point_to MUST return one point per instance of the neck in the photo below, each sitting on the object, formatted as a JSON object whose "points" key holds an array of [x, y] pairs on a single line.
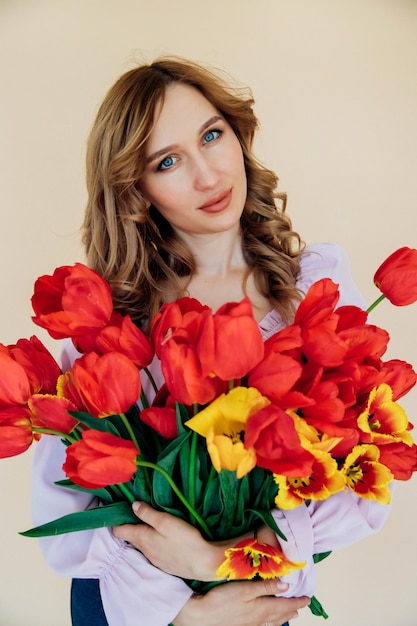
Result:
{"points": [[218, 254]]}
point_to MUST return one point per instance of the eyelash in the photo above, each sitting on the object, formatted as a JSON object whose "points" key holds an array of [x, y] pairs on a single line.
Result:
{"points": [[161, 168], [211, 132], [214, 131]]}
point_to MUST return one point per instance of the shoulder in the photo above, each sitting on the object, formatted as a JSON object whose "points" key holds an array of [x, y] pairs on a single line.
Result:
{"points": [[328, 260], [321, 260]]}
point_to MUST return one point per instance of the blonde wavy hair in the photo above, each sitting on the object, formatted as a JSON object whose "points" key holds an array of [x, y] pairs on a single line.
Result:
{"points": [[133, 246]]}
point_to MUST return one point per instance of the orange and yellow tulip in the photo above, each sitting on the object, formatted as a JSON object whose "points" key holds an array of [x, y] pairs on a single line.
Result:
{"points": [[324, 480], [248, 559], [366, 476]]}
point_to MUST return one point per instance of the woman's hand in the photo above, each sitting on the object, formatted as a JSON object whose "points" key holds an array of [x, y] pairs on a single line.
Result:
{"points": [[251, 603], [176, 547], [171, 544]]}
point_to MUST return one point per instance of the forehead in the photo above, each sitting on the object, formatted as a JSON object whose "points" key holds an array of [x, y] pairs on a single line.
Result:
{"points": [[184, 111]]}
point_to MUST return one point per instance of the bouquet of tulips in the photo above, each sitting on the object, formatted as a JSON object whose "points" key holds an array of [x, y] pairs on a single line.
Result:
{"points": [[238, 426]]}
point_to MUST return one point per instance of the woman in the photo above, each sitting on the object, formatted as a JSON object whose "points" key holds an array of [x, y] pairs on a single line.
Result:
{"points": [[178, 205]]}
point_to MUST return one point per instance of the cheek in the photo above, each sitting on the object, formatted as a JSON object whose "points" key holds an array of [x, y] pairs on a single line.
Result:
{"points": [[162, 194], [236, 157]]}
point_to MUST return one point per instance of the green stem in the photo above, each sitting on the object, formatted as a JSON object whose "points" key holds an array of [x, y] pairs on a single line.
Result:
{"points": [[129, 429], [192, 470], [125, 491], [144, 400], [375, 304], [181, 496], [57, 433], [151, 379]]}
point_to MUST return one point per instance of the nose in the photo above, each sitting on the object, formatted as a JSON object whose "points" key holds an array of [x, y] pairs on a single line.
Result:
{"points": [[205, 171]]}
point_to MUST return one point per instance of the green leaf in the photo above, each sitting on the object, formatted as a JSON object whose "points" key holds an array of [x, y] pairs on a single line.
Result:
{"points": [[107, 515], [268, 519], [229, 485], [320, 556], [102, 424], [103, 494], [263, 485], [142, 485], [212, 503], [182, 416], [242, 500], [161, 490], [316, 608]]}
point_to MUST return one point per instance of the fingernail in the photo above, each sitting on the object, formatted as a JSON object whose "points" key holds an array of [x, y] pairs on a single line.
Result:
{"points": [[136, 506], [282, 586]]}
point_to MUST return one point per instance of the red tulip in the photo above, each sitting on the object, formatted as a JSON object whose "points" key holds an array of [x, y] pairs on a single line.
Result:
{"points": [[162, 419], [120, 335], [100, 459], [318, 322], [102, 385], [319, 303], [400, 458], [275, 376], [40, 366], [162, 415], [15, 386], [271, 432], [396, 278], [183, 335], [15, 431], [238, 343], [172, 316], [73, 301], [400, 376]]}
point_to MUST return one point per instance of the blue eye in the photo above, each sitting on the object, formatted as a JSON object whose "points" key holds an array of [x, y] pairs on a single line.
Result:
{"points": [[167, 163], [211, 135]]}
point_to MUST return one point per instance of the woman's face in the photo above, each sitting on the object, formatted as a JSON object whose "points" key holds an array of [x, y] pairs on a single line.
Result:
{"points": [[195, 174]]}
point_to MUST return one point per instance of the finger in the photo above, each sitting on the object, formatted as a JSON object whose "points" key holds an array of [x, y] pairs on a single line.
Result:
{"points": [[121, 532], [258, 588], [139, 535], [148, 514], [273, 586], [285, 609]]}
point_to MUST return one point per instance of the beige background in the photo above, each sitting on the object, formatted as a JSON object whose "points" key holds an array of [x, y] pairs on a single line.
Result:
{"points": [[336, 89]]}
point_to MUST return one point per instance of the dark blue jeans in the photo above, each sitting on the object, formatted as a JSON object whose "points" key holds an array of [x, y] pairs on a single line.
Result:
{"points": [[86, 606]]}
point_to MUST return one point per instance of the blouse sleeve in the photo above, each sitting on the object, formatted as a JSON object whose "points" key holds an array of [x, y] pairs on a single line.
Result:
{"points": [[344, 518], [329, 260], [130, 586]]}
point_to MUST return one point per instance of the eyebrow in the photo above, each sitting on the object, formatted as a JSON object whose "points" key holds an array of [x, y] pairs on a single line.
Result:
{"points": [[159, 153]]}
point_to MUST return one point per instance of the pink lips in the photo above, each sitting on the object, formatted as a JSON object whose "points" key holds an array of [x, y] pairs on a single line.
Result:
{"points": [[217, 203]]}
